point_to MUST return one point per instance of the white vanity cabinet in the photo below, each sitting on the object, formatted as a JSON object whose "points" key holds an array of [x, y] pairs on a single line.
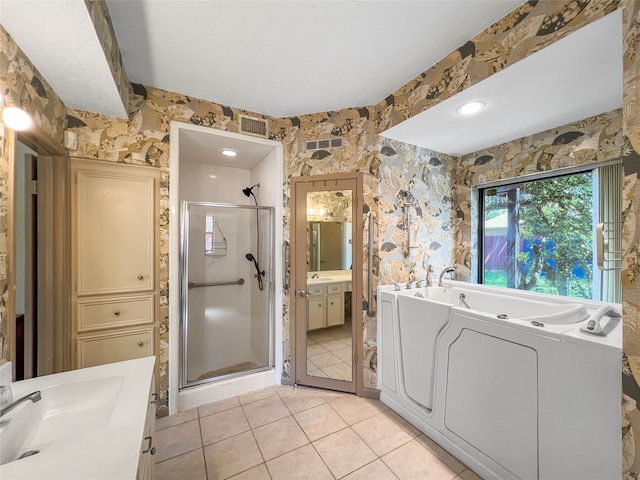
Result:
{"points": [[326, 304], [146, 465], [115, 255]]}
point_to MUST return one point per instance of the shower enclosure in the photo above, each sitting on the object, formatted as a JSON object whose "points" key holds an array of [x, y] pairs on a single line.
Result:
{"points": [[226, 291]]}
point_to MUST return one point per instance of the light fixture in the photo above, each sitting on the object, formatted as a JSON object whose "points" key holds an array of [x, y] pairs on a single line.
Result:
{"points": [[470, 108], [228, 152], [16, 119]]}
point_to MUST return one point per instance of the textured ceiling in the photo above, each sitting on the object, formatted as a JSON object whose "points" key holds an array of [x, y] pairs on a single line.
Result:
{"points": [[285, 58], [59, 38]]}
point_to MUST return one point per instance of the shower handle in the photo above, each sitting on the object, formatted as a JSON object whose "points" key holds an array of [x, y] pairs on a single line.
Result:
{"points": [[302, 293]]}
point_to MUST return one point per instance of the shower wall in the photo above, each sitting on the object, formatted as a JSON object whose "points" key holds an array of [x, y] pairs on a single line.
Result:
{"points": [[199, 182]]}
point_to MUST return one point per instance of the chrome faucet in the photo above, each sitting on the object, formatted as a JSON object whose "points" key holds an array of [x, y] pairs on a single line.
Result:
{"points": [[443, 273], [34, 397], [427, 277]]}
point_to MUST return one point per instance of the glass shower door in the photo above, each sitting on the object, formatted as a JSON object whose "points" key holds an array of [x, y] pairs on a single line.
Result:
{"points": [[226, 291]]}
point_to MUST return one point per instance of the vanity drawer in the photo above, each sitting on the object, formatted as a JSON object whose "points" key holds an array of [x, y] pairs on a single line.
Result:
{"points": [[110, 313], [115, 347], [317, 289], [335, 288]]}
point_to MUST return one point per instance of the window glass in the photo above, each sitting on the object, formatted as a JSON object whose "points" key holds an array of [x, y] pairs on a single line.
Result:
{"points": [[538, 235]]}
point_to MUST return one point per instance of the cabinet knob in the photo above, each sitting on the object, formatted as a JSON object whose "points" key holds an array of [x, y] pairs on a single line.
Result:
{"points": [[140, 277], [116, 313], [140, 344]]}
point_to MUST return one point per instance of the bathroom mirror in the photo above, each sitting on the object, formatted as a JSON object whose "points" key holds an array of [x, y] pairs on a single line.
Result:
{"points": [[329, 246]]}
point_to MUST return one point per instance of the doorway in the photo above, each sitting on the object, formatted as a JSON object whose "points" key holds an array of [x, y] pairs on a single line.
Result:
{"points": [[39, 189], [326, 242]]}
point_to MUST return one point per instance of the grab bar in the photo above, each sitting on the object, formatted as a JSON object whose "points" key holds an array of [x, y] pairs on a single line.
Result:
{"points": [[240, 281], [370, 311]]}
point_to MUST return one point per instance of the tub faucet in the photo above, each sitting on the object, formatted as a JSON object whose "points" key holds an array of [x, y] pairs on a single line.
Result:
{"points": [[427, 277], [443, 273], [34, 397]]}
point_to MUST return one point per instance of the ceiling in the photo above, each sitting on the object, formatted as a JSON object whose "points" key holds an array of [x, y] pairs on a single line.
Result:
{"points": [[285, 58], [574, 78]]}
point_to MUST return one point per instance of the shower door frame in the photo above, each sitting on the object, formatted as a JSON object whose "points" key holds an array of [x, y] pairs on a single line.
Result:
{"points": [[184, 290]]}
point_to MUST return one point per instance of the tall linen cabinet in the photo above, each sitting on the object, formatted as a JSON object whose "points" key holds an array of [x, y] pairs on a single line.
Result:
{"points": [[115, 262]]}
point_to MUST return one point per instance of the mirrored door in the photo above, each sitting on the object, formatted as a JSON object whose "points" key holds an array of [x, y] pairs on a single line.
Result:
{"points": [[327, 247]]}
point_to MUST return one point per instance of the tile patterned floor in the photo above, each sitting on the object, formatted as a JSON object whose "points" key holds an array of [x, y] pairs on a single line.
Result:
{"points": [[289, 433], [329, 352]]}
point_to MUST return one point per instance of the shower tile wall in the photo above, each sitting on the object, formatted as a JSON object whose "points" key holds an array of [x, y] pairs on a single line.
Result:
{"points": [[143, 139]]}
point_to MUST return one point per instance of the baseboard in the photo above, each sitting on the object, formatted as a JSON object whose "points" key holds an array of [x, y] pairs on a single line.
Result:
{"points": [[371, 393]]}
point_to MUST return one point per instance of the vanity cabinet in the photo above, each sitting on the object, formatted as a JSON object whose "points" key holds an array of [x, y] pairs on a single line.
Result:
{"points": [[146, 464], [115, 256], [326, 304]]}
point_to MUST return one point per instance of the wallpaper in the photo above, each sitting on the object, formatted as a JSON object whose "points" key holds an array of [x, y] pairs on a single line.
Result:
{"points": [[397, 174], [143, 139], [21, 84], [7, 300]]}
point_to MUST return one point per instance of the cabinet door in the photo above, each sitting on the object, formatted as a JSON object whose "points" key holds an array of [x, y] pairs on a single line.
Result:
{"points": [[115, 347], [317, 312], [335, 309], [114, 229]]}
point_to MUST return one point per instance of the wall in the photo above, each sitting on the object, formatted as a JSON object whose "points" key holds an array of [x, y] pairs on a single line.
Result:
{"points": [[588, 141], [143, 138], [20, 84]]}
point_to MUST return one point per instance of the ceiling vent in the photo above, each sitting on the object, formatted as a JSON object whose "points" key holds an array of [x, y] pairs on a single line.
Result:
{"points": [[321, 144], [253, 126]]}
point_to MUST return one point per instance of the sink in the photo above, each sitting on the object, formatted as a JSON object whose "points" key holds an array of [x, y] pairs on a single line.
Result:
{"points": [[89, 424], [65, 413]]}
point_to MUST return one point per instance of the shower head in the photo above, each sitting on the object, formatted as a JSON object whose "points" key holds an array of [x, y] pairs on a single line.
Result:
{"points": [[250, 257], [248, 191]]}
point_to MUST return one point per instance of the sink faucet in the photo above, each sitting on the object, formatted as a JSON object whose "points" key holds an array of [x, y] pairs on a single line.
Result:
{"points": [[443, 273], [315, 275], [34, 397]]}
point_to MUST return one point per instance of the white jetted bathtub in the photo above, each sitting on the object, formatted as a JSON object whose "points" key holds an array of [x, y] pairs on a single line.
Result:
{"points": [[506, 380]]}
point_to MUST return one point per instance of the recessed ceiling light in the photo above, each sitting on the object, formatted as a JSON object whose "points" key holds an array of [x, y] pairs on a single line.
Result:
{"points": [[228, 152], [470, 108], [16, 119]]}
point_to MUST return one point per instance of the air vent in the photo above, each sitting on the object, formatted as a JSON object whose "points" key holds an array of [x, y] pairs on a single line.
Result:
{"points": [[321, 144], [253, 126]]}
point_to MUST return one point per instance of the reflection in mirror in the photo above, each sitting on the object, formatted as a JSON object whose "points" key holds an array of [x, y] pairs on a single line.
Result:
{"points": [[329, 281]]}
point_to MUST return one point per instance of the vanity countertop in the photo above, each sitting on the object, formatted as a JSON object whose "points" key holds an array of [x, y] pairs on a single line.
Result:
{"points": [[102, 450], [325, 278]]}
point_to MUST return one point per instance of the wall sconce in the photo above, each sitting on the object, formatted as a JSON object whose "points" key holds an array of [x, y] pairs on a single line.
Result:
{"points": [[15, 118]]}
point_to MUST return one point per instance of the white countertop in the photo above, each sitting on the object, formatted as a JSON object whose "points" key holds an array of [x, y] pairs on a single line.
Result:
{"points": [[108, 453], [329, 277]]}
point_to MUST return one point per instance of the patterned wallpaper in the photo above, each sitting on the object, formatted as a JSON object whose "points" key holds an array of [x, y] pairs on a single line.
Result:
{"points": [[588, 141], [395, 173], [143, 139], [21, 84]]}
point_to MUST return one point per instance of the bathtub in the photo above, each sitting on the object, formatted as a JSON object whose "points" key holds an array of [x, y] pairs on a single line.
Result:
{"points": [[504, 379]]}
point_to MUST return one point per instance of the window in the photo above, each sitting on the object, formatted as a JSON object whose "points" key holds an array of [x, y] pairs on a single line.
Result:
{"points": [[209, 225], [538, 235]]}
